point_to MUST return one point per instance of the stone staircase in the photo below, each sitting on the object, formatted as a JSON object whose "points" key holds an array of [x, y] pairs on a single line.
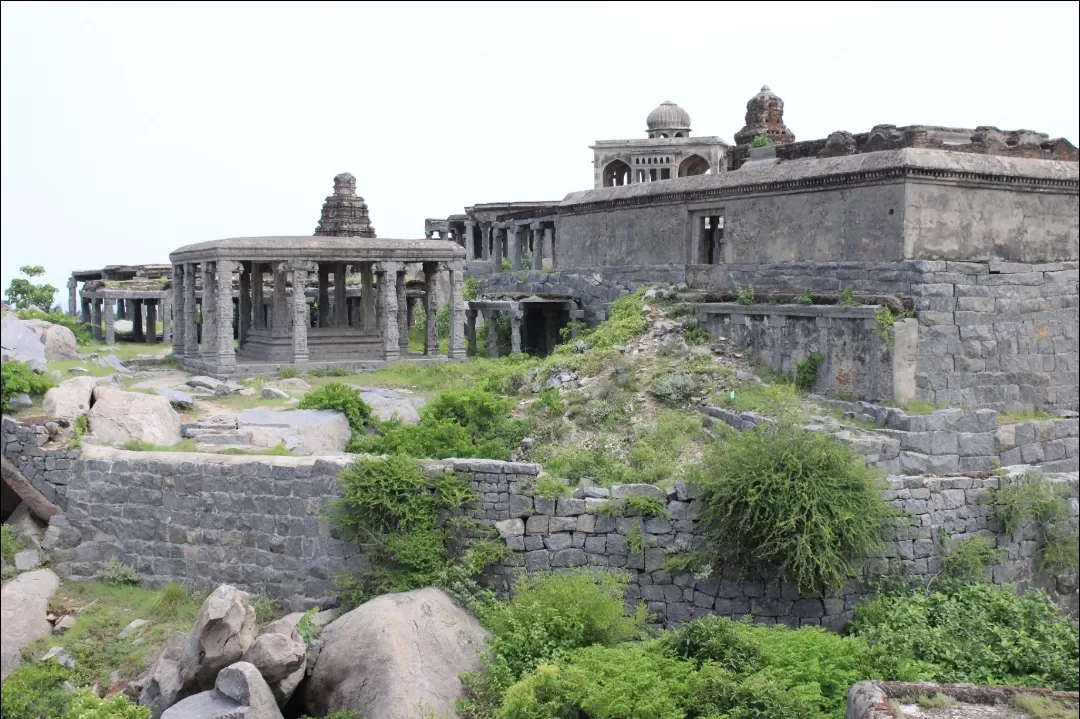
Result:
{"points": [[217, 434]]}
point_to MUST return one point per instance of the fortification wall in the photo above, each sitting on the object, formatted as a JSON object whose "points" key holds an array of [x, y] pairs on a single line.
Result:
{"points": [[258, 522]]}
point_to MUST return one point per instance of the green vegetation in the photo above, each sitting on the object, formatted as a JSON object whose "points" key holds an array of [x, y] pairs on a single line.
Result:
{"points": [[288, 373], [57, 317], [1036, 415], [308, 631], [967, 561], [117, 573], [138, 445], [390, 507], [18, 378], [10, 544], [551, 489], [344, 399], [805, 298], [1034, 499], [1044, 707], [806, 371], [673, 388], [847, 296], [794, 500], [22, 293], [744, 295], [761, 141]]}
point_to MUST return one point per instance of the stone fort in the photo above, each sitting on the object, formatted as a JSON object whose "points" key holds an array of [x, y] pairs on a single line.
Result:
{"points": [[970, 234]]}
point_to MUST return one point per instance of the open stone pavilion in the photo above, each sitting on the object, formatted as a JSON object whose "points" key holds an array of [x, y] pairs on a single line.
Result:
{"points": [[311, 302]]}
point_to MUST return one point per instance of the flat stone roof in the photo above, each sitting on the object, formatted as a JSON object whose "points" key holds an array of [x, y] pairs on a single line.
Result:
{"points": [[320, 249], [1052, 175]]}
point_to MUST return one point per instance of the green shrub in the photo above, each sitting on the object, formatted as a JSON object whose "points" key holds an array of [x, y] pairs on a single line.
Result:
{"points": [[342, 398], [968, 559], [974, 633], [306, 626], [552, 489], [847, 296], [81, 330], [761, 141], [672, 387], [36, 691], [806, 371], [624, 322], [551, 400], [759, 696], [1033, 498], [645, 505], [86, 705], [18, 378], [393, 510], [744, 295], [23, 294], [10, 544], [288, 373], [797, 501], [170, 599], [714, 639], [806, 298], [266, 609], [116, 572]]}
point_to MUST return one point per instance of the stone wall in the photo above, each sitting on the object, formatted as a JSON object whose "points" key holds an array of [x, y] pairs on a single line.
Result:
{"points": [[991, 334], [944, 441], [42, 455], [856, 359]]}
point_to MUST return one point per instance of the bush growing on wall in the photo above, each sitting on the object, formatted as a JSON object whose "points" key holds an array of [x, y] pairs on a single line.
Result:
{"points": [[344, 399], [797, 501], [18, 378]]}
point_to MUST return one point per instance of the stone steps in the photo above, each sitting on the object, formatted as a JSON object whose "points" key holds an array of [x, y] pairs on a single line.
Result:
{"points": [[224, 438]]}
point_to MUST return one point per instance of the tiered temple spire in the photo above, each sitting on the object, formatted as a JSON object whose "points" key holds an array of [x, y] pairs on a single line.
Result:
{"points": [[344, 214]]}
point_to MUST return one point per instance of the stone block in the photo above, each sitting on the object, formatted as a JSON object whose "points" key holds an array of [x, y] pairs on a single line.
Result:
{"points": [[538, 560], [520, 506], [562, 524], [622, 491], [943, 443], [568, 507], [558, 541], [977, 444], [510, 528], [586, 523], [569, 558]]}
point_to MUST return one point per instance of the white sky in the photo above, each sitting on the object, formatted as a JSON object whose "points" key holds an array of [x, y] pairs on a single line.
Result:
{"points": [[131, 129]]}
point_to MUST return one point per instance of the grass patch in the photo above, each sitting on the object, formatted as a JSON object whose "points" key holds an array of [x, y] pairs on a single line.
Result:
{"points": [[772, 399], [1044, 707], [1023, 416], [278, 450], [138, 445]]}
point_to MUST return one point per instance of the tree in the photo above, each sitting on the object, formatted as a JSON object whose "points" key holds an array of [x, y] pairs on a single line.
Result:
{"points": [[23, 294]]}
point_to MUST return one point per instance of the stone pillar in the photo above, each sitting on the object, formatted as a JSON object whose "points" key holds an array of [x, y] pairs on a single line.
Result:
{"points": [[497, 236], [470, 240], [177, 304], [410, 312], [138, 334], [456, 349], [341, 306], [84, 317], [151, 321], [225, 355], [95, 319], [258, 309], [110, 323], [73, 296], [515, 330], [281, 315], [324, 294], [470, 331], [549, 248], [209, 311], [485, 240], [492, 332], [431, 309], [537, 230], [367, 297], [300, 317], [516, 240], [354, 312], [243, 316], [551, 334], [123, 311], [402, 320], [191, 330], [166, 318], [388, 310]]}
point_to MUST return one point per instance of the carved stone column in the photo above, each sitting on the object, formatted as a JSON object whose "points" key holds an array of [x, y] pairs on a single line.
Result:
{"points": [[537, 230], [151, 321], [191, 330], [166, 305], [402, 320], [84, 316], [95, 319], [177, 304], [497, 236], [485, 240], [456, 349], [138, 334], [110, 323], [515, 330], [324, 294], [225, 354], [367, 297], [243, 317], [410, 312], [209, 312], [492, 332], [517, 244], [73, 296], [549, 248], [298, 272], [470, 240], [470, 332], [341, 304], [431, 309], [123, 310], [258, 308], [281, 315], [388, 311]]}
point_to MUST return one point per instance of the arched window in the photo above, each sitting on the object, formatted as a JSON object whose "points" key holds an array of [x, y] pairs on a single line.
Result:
{"points": [[616, 174], [693, 165]]}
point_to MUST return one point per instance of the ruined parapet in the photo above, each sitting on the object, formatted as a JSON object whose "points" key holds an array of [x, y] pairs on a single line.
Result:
{"points": [[345, 214], [765, 116]]}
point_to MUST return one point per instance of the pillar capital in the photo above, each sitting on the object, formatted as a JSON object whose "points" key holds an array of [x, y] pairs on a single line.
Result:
{"points": [[226, 266], [298, 266], [389, 266]]}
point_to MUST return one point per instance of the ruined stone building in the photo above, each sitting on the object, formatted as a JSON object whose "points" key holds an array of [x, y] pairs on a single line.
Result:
{"points": [[975, 231]]}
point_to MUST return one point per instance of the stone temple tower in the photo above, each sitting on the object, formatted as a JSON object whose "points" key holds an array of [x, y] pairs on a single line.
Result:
{"points": [[344, 214], [765, 116]]}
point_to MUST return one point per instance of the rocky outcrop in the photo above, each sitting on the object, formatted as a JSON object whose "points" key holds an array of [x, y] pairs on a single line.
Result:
{"points": [[119, 416], [280, 657], [25, 604], [387, 404], [239, 693], [393, 654], [19, 343], [59, 341], [70, 398], [304, 431]]}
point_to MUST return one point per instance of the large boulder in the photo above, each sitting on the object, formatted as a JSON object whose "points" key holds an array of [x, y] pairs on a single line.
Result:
{"points": [[239, 693], [304, 431], [280, 656], [70, 398], [388, 404], [19, 343], [59, 341], [24, 602], [389, 656], [119, 416]]}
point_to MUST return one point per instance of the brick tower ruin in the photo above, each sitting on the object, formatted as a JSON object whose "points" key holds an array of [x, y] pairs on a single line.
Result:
{"points": [[344, 214], [765, 116]]}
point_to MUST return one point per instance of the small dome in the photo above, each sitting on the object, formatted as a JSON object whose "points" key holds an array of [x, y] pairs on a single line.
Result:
{"points": [[668, 116]]}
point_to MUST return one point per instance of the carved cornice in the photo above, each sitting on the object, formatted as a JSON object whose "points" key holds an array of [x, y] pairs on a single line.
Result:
{"points": [[822, 182]]}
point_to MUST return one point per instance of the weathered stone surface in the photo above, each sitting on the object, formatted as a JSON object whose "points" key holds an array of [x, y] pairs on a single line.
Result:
{"points": [[133, 627], [59, 341], [290, 384], [20, 401], [274, 393], [60, 655], [40, 506], [24, 602], [388, 404], [304, 431], [510, 528], [177, 398], [275, 655], [160, 686], [112, 361], [203, 382], [387, 656], [28, 528], [242, 683], [19, 343], [622, 491], [119, 416], [63, 624], [25, 561], [206, 705], [70, 398]]}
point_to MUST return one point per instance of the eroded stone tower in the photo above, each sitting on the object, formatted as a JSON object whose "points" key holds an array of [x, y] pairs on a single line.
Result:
{"points": [[765, 116], [345, 214]]}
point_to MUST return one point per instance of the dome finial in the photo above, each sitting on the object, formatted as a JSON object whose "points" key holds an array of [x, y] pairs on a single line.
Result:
{"points": [[765, 88]]}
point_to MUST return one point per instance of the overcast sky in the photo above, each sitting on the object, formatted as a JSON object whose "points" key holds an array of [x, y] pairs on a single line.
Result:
{"points": [[132, 129]]}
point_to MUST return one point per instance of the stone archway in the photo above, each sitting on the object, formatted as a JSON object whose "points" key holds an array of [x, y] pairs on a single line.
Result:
{"points": [[616, 174], [694, 165]]}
